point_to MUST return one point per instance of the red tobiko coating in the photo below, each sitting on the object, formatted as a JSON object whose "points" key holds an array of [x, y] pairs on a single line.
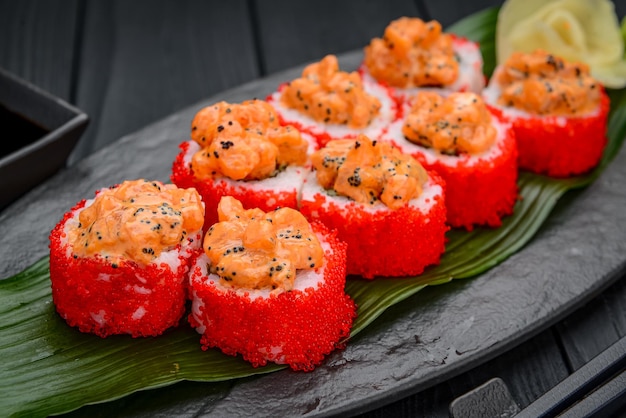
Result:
{"points": [[298, 328], [481, 193], [212, 191], [386, 242], [560, 146], [105, 298]]}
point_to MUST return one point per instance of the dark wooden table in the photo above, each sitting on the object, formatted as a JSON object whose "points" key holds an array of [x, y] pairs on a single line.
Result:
{"points": [[130, 63]]}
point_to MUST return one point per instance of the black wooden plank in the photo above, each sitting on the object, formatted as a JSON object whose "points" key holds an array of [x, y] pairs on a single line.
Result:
{"points": [[447, 12], [587, 388], [620, 9], [591, 330], [37, 42], [325, 27], [133, 73]]}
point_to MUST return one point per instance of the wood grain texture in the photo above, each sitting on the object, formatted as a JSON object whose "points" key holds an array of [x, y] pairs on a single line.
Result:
{"points": [[620, 8], [583, 338], [295, 32], [37, 42], [448, 12], [143, 60]]}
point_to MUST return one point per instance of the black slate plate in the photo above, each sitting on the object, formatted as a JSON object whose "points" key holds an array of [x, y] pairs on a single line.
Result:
{"points": [[438, 333]]}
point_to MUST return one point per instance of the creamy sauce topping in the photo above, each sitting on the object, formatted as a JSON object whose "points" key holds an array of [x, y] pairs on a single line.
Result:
{"points": [[251, 249], [244, 142], [545, 84], [329, 95], [137, 220], [369, 171], [457, 124], [412, 53]]}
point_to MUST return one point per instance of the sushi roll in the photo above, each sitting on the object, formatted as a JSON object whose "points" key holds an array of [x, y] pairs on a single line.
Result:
{"points": [[474, 152], [241, 150], [388, 209], [558, 112], [414, 55], [271, 287], [329, 103], [118, 262]]}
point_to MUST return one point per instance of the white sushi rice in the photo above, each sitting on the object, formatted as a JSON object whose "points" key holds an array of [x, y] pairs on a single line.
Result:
{"points": [[471, 77], [395, 135], [424, 203], [386, 114]]}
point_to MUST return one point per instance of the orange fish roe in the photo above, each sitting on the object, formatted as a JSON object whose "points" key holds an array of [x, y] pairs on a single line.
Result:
{"points": [[458, 123], [108, 291], [383, 242], [329, 95], [298, 327], [412, 53], [136, 221], [545, 84], [369, 171], [252, 249], [244, 142]]}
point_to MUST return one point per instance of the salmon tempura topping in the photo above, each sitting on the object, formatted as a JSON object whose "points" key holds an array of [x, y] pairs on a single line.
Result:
{"points": [[244, 142], [368, 171], [137, 220], [331, 96], [457, 124], [251, 249], [544, 84], [412, 53]]}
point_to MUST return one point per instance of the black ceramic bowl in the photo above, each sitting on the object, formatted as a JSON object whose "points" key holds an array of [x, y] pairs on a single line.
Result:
{"points": [[39, 132]]}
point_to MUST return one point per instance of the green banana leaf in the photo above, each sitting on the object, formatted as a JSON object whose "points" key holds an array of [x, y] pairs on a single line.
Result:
{"points": [[50, 368]]}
